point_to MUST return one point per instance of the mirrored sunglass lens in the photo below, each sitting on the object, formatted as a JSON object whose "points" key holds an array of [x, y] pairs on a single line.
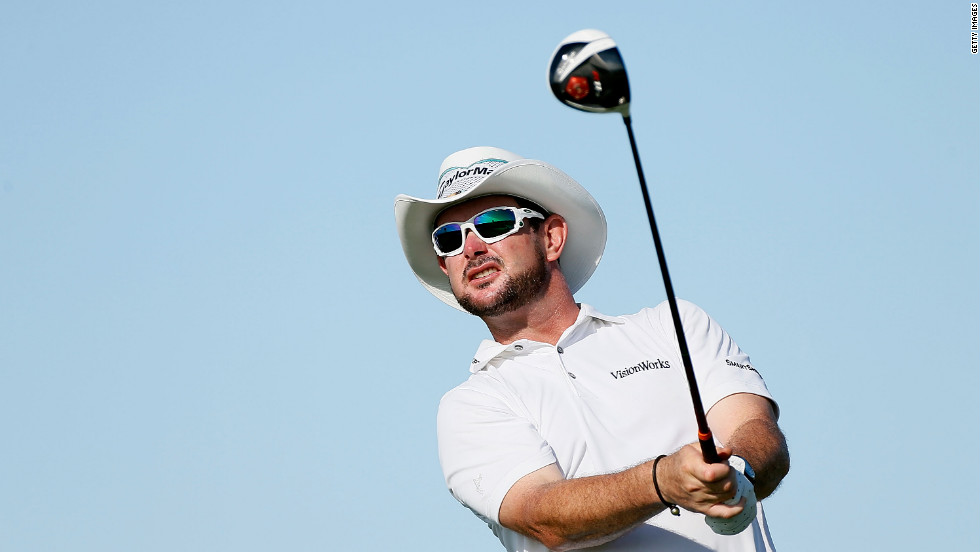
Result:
{"points": [[448, 237], [495, 223]]}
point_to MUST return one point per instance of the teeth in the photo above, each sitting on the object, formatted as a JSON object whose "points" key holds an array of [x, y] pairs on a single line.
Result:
{"points": [[483, 273]]}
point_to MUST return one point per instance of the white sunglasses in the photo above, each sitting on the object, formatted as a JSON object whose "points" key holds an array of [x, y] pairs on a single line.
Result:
{"points": [[491, 226]]}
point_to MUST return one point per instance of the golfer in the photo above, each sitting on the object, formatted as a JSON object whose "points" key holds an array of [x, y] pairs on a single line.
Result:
{"points": [[575, 429]]}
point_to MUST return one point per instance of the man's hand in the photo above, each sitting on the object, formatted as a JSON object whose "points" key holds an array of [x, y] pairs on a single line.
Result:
{"points": [[744, 494], [686, 480]]}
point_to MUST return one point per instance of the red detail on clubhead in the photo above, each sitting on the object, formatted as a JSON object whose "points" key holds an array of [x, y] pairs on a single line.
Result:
{"points": [[577, 87]]}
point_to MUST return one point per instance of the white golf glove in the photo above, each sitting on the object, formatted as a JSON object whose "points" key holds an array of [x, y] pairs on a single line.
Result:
{"points": [[737, 524]]}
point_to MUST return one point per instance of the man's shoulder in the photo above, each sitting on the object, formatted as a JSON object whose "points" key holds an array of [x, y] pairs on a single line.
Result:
{"points": [[660, 312], [480, 393], [643, 316], [653, 321], [477, 384]]}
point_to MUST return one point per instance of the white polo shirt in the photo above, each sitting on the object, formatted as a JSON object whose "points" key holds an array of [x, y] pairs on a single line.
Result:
{"points": [[612, 394]]}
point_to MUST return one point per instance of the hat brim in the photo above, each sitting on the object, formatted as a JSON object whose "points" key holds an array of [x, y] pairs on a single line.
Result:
{"points": [[530, 179]]}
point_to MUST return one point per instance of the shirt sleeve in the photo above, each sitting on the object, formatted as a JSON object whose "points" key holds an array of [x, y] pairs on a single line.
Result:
{"points": [[485, 446], [720, 366]]}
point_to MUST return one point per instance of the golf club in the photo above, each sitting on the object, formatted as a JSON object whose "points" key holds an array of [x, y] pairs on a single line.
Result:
{"points": [[586, 72]]}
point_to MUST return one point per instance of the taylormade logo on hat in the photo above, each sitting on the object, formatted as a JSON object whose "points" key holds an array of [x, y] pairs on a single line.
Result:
{"points": [[456, 180]]}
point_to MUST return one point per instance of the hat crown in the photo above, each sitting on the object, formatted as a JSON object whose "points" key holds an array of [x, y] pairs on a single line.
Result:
{"points": [[465, 169]]}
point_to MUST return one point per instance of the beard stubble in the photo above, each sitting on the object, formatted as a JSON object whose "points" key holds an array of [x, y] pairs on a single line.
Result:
{"points": [[520, 290]]}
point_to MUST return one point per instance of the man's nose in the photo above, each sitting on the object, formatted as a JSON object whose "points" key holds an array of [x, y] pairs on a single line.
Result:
{"points": [[473, 245]]}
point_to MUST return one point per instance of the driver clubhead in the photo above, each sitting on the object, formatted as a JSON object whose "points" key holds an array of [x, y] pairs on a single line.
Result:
{"points": [[586, 72]]}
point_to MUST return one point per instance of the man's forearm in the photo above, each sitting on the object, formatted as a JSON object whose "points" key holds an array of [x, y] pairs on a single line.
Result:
{"points": [[576, 513], [763, 445], [588, 511]]}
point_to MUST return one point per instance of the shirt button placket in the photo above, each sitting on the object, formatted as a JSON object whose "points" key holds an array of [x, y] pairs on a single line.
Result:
{"points": [[561, 351]]}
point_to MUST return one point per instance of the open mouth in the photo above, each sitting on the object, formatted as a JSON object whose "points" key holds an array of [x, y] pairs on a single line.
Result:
{"points": [[484, 273]]}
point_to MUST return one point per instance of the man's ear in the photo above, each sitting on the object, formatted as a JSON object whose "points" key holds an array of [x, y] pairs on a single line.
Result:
{"points": [[555, 235], [442, 264]]}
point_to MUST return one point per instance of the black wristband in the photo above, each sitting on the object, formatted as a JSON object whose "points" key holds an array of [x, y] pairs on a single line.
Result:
{"points": [[673, 507]]}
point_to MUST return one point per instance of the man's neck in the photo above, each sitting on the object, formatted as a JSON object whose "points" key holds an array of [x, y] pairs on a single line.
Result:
{"points": [[544, 320]]}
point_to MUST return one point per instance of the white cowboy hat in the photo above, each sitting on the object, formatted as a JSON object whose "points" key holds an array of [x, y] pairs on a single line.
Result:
{"points": [[483, 171]]}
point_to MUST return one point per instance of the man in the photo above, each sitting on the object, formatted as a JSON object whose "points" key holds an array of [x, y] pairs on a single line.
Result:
{"points": [[575, 428]]}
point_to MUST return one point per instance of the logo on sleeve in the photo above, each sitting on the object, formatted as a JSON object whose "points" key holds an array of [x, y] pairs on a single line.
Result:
{"points": [[641, 367], [743, 366]]}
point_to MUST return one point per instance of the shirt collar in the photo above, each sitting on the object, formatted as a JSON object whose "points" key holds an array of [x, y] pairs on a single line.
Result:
{"points": [[489, 349]]}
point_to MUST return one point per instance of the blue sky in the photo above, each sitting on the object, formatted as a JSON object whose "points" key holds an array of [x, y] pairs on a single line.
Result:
{"points": [[210, 340]]}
